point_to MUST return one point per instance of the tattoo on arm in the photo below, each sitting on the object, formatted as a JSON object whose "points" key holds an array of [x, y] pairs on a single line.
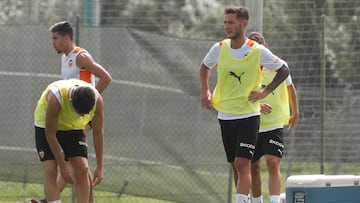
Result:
{"points": [[281, 75]]}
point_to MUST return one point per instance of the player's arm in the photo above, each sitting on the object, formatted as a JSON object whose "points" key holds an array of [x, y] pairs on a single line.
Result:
{"points": [[209, 63], [294, 118], [204, 86], [281, 74], [84, 60], [98, 139], [51, 125]]}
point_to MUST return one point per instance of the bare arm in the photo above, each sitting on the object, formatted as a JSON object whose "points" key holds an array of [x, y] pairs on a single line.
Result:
{"points": [[98, 139], [281, 74], [204, 86], [51, 125], [294, 118], [85, 61]]}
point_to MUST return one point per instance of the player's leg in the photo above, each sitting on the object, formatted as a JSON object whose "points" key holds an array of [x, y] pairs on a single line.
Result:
{"points": [[229, 143], [49, 165], [246, 131], [256, 181], [273, 166], [256, 185], [243, 167], [82, 182], [234, 173], [274, 151], [51, 190], [75, 150]]}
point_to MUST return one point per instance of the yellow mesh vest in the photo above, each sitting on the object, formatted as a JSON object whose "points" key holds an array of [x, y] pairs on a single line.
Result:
{"points": [[68, 119], [236, 78], [279, 100]]}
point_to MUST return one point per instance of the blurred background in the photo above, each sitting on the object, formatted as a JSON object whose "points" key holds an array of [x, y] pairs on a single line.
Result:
{"points": [[159, 142]]}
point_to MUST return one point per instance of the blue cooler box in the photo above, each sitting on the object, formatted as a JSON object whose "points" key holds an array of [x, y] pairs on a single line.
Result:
{"points": [[323, 189]]}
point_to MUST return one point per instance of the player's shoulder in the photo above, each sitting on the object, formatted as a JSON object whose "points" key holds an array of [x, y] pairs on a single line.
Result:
{"points": [[79, 50]]}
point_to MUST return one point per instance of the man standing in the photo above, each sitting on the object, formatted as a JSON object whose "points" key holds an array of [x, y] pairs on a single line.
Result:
{"points": [[274, 116], [238, 61], [62, 112], [76, 63]]}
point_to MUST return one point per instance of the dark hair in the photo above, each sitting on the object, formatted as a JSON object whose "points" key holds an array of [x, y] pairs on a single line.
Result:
{"points": [[63, 28], [240, 11], [83, 100], [258, 37]]}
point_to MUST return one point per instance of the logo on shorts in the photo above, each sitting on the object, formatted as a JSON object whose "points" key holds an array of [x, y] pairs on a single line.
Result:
{"points": [[41, 154], [271, 141], [250, 146], [280, 151], [83, 143]]}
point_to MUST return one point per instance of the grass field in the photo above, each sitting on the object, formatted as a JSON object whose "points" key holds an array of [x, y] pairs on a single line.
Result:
{"points": [[14, 192], [11, 192]]}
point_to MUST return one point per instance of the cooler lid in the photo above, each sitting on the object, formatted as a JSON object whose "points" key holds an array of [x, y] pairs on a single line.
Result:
{"points": [[322, 180]]}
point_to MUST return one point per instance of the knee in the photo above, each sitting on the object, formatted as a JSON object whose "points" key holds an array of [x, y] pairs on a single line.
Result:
{"points": [[82, 170], [242, 165], [50, 170]]}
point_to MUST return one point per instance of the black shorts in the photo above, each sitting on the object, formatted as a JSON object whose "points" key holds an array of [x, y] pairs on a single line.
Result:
{"points": [[239, 137], [271, 143], [72, 142]]}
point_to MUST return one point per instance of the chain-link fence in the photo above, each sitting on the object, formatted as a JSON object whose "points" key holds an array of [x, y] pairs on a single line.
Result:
{"points": [[159, 142]]}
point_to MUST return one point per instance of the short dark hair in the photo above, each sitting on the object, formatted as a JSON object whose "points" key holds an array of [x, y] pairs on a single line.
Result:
{"points": [[240, 11], [63, 28], [258, 37], [83, 99]]}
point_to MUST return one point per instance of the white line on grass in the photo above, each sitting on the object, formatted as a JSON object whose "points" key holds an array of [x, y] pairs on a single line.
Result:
{"points": [[122, 82]]}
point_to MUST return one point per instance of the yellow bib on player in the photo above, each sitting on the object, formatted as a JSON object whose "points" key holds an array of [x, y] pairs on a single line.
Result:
{"points": [[279, 100], [68, 118], [236, 78]]}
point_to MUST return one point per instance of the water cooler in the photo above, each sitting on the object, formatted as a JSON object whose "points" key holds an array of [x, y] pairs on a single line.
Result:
{"points": [[323, 189]]}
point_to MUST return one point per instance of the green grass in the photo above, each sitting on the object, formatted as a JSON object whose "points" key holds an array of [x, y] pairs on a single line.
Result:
{"points": [[16, 192], [12, 192]]}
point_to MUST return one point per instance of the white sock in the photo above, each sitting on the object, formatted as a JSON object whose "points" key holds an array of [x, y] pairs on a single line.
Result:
{"points": [[257, 199], [282, 197], [240, 198], [275, 199], [56, 201]]}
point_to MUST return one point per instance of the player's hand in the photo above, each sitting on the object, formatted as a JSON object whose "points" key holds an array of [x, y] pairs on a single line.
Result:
{"points": [[293, 121], [66, 173], [265, 108], [97, 177], [206, 99], [257, 95]]}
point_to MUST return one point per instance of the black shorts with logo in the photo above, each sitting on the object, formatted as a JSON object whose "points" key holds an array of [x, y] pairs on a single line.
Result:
{"points": [[72, 142], [271, 143], [239, 137]]}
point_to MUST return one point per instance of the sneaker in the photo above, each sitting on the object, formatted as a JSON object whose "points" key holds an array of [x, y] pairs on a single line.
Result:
{"points": [[34, 200]]}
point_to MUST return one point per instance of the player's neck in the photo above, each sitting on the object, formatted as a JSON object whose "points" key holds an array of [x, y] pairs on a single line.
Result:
{"points": [[237, 43], [69, 50]]}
